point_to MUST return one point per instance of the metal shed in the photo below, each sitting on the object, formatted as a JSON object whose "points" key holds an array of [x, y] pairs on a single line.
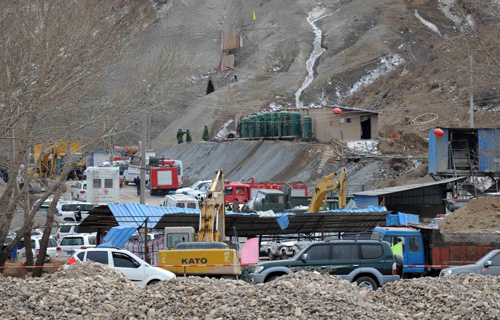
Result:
{"points": [[424, 199]]}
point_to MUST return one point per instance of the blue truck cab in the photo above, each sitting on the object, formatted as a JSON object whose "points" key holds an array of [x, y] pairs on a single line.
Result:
{"points": [[413, 245]]}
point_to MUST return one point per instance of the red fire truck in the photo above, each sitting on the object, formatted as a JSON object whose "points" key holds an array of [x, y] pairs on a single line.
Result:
{"points": [[242, 192], [164, 177]]}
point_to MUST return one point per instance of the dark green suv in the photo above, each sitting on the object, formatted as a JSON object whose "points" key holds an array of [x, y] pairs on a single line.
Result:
{"points": [[369, 263]]}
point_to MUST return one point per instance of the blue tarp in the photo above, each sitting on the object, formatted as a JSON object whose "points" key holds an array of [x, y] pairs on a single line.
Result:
{"points": [[283, 222], [117, 236], [401, 219]]}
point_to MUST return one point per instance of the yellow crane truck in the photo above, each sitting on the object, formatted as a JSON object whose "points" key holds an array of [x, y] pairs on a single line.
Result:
{"points": [[208, 256]]}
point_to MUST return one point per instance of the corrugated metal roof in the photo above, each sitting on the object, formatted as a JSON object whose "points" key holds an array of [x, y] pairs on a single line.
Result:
{"points": [[390, 190], [231, 39], [247, 224], [117, 236], [227, 62], [352, 109]]}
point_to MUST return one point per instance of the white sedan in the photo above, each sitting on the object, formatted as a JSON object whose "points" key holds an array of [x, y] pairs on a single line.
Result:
{"points": [[135, 269]]}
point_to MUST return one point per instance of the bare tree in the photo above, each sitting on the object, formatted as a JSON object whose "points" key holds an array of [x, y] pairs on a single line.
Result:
{"points": [[53, 56]]}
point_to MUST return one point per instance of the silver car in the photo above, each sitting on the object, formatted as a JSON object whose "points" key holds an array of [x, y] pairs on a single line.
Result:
{"points": [[487, 265]]}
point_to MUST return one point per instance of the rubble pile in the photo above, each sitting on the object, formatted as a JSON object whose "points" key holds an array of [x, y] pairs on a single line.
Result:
{"points": [[465, 296], [84, 291], [79, 294], [482, 214]]}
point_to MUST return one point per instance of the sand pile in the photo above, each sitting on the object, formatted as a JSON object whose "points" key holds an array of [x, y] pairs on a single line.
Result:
{"points": [[481, 214]]}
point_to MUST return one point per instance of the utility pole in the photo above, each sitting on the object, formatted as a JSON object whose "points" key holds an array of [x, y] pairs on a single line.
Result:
{"points": [[471, 95], [143, 173]]}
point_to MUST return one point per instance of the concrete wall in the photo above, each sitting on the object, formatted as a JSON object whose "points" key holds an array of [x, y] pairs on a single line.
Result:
{"points": [[327, 126]]}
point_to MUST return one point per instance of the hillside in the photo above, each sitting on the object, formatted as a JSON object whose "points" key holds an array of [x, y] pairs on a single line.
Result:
{"points": [[391, 55]]}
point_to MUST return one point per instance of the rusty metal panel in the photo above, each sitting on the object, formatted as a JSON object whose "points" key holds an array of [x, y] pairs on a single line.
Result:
{"points": [[231, 39], [227, 61]]}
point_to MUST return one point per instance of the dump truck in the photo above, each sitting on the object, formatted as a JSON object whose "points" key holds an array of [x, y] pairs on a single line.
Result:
{"points": [[208, 255], [242, 192], [426, 250]]}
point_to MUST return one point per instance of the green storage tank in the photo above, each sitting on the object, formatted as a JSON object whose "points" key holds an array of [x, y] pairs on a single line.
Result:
{"points": [[251, 126], [284, 126], [259, 126], [295, 124], [275, 124], [306, 127], [268, 124], [244, 128]]}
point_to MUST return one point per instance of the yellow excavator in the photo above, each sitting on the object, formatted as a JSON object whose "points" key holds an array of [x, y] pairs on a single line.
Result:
{"points": [[208, 255], [327, 184]]}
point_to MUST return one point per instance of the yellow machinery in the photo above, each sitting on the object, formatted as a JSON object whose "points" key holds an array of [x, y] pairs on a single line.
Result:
{"points": [[327, 184], [208, 256], [55, 156]]}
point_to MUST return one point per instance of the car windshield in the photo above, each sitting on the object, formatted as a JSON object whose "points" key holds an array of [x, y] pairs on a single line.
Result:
{"points": [[194, 185]]}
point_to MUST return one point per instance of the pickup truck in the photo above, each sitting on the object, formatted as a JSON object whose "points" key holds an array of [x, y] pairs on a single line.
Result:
{"points": [[426, 251], [369, 263]]}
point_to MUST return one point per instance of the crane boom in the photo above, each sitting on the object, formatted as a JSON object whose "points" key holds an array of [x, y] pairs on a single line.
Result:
{"points": [[213, 212], [327, 184]]}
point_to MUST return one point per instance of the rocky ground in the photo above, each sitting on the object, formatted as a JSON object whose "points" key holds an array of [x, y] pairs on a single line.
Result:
{"points": [[94, 291]]}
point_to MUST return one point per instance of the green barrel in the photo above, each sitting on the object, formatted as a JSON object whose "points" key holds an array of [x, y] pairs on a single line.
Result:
{"points": [[251, 126], [306, 127], [295, 124], [275, 124], [284, 126], [260, 126], [244, 128], [268, 124]]}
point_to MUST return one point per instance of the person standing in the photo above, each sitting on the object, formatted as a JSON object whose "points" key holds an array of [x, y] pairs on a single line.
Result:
{"points": [[78, 214], [188, 136], [180, 136], [205, 134], [137, 182]]}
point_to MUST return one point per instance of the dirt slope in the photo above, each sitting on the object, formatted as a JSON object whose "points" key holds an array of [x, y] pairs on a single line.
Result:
{"points": [[400, 57]]}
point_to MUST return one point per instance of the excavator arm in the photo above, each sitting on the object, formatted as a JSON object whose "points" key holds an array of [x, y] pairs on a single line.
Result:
{"points": [[213, 212], [327, 184]]}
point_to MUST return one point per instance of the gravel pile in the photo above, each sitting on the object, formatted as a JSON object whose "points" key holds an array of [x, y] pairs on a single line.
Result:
{"points": [[94, 291]]}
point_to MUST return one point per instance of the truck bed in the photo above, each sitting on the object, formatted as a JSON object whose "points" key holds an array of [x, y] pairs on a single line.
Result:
{"points": [[458, 248]]}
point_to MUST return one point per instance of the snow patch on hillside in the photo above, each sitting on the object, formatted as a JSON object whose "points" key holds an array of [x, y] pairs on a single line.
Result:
{"points": [[365, 146], [428, 24], [387, 64]]}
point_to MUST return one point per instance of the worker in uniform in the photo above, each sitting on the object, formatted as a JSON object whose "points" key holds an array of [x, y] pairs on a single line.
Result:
{"points": [[180, 136], [236, 206], [188, 136], [205, 134], [245, 207], [398, 247]]}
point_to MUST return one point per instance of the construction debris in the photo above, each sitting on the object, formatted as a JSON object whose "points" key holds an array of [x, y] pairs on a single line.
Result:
{"points": [[93, 291], [482, 214]]}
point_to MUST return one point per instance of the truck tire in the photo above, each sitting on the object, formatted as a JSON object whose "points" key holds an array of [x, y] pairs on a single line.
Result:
{"points": [[367, 282], [399, 264], [126, 182], [283, 255]]}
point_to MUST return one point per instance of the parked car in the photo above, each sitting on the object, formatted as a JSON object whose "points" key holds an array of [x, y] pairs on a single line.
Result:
{"points": [[370, 264], [198, 188], [487, 265], [64, 230], [79, 191], [135, 269], [69, 244], [66, 209], [53, 250]]}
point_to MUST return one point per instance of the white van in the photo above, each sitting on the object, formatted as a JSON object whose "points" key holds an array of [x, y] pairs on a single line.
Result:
{"points": [[180, 201]]}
